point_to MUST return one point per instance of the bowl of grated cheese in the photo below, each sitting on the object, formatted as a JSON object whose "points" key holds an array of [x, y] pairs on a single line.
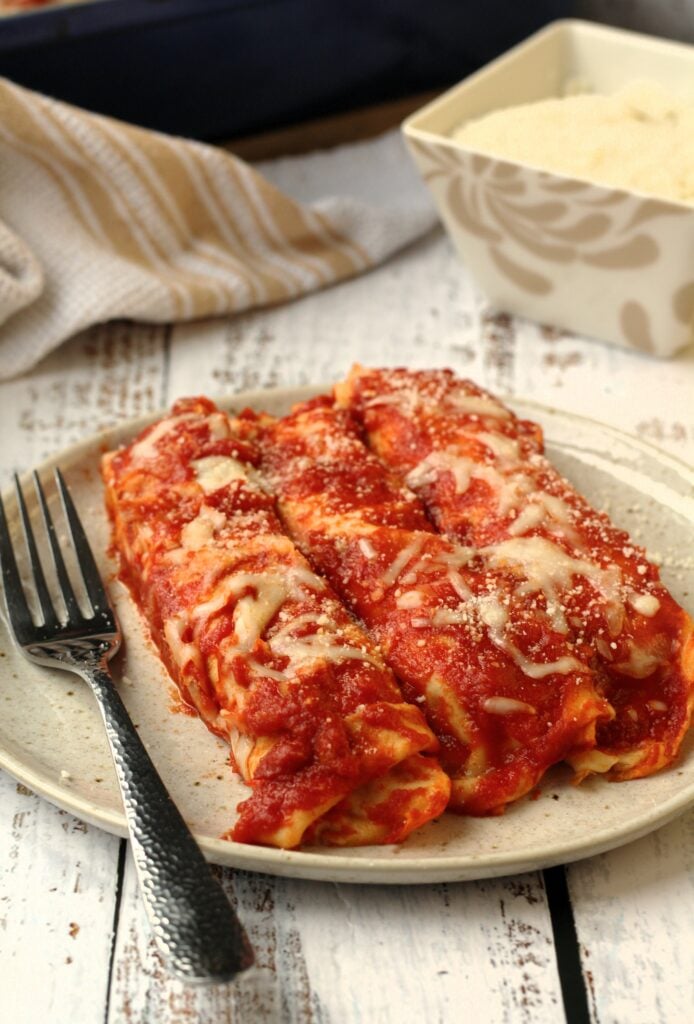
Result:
{"points": [[564, 174]]}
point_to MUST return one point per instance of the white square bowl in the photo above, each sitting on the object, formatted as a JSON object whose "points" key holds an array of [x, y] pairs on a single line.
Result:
{"points": [[614, 264]]}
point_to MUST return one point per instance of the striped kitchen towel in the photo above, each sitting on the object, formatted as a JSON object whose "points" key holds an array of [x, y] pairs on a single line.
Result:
{"points": [[101, 220]]}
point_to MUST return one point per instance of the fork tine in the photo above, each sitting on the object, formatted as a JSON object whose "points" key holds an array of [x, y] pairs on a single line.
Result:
{"points": [[96, 591], [17, 607], [47, 609], [74, 612]]}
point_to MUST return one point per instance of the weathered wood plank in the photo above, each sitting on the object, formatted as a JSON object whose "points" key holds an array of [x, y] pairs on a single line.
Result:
{"points": [[56, 911], [57, 875], [632, 909], [102, 376], [328, 954], [430, 950], [275, 989]]}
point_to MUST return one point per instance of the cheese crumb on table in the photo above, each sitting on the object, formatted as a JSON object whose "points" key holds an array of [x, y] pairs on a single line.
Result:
{"points": [[641, 137]]}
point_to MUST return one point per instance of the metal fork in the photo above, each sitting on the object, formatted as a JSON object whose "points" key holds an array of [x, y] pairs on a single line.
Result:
{"points": [[193, 923]]}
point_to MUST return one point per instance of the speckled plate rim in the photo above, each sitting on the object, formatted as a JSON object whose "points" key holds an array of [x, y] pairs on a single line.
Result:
{"points": [[346, 867]]}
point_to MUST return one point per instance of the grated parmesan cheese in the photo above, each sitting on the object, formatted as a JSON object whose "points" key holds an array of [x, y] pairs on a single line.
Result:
{"points": [[639, 137]]}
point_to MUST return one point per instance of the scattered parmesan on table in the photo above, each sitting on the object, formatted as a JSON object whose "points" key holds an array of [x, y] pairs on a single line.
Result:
{"points": [[641, 137]]}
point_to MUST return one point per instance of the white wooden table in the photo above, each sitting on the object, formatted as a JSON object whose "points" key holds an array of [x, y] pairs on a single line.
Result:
{"points": [[74, 943]]}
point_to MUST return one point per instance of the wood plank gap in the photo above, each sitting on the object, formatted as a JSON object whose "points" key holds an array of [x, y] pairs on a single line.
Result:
{"points": [[120, 876], [166, 365], [573, 986]]}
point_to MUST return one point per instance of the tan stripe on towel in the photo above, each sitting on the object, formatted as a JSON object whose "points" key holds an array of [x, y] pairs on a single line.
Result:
{"points": [[194, 296], [186, 213], [211, 221]]}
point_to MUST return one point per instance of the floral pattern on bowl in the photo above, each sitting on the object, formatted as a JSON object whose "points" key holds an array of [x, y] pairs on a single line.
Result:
{"points": [[595, 260]]}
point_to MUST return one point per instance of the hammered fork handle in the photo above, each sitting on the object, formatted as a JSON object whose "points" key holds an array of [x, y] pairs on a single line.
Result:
{"points": [[191, 918]]}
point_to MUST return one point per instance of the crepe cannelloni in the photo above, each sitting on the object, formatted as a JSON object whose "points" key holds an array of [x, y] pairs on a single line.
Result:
{"points": [[260, 646], [485, 482]]}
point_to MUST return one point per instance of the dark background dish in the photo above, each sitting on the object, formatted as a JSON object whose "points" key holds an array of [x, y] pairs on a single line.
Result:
{"points": [[218, 69]]}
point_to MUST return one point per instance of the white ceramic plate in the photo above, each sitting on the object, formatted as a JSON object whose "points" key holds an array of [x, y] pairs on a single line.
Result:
{"points": [[50, 723]]}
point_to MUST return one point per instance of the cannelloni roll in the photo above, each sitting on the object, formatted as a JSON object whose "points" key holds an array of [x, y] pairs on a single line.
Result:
{"points": [[484, 481], [260, 645]]}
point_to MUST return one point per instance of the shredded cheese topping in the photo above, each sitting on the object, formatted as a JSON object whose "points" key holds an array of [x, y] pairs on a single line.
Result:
{"points": [[538, 511], [509, 490], [400, 561], [549, 569]]}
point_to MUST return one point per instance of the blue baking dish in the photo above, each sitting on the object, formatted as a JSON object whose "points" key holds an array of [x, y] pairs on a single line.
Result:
{"points": [[215, 69]]}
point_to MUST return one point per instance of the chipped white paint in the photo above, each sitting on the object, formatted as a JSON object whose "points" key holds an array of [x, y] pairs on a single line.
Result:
{"points": [[428, 949], [334, 953], [57, 875], [338, 954], [634, 921], [57, 888]]}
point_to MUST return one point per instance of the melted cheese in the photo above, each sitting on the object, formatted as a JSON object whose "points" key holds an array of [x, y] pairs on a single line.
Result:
{"points": [[215, 471], [531, 516], [400, 561], [457, 556], [306, 650], [176, 556], [479, 405], [199, 532], [459, 585], [183, 653], [506, 449], [254, 610], [544, 510], [383, 400], [428, 470], [509, 490], [494, 616], [301, 575], [549, 569], [640, 663], [264, 670], [290, 623], [450, 559], [147, 447], [644, 604], [366, 547], [325, 644], [336, 524], [507, 706], [461, 616]]}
